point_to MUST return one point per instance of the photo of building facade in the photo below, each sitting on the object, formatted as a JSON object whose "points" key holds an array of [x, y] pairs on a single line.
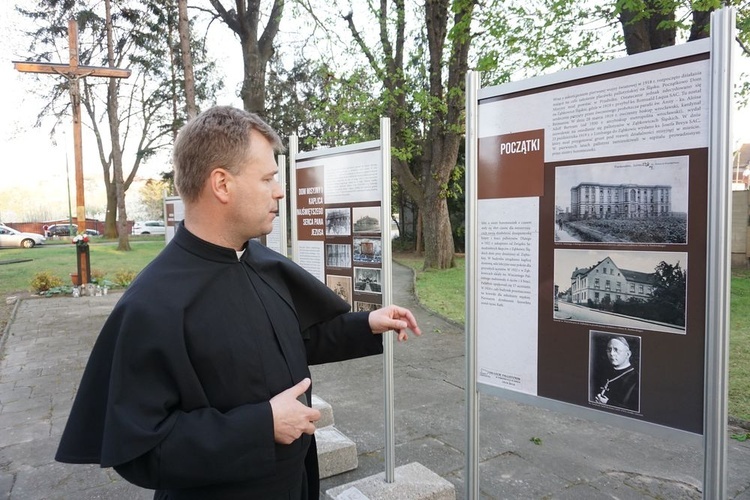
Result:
{"points": [[619, 201], [606, 280]]}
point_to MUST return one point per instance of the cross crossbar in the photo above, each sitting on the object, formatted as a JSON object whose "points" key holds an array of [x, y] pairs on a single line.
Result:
{"points": [[69, 71]]}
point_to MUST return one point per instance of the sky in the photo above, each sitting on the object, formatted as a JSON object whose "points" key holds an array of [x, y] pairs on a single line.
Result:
{"points": [[35, 171]]}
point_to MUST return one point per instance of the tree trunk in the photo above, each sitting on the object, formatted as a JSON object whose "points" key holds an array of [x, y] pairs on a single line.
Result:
{"points": [[123, 242], [110, 217], [701, 25], [420, 232], [187, 59], [244, 20], [641, 27], [253, 91], [438, 239]]}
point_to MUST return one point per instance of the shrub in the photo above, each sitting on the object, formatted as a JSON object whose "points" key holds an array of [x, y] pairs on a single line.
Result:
{"points": [[97, 276], [45, 280], [124, 277]]}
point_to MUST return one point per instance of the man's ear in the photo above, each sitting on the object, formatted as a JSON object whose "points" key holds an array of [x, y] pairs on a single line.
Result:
{"points": [[219, 180]]}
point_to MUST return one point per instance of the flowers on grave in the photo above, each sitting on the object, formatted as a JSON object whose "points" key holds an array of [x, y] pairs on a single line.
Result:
{"points": [[81, 240]]}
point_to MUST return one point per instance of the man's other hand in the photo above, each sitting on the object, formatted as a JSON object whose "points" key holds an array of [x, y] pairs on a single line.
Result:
{"points": [[394, 318], [290, 417]]}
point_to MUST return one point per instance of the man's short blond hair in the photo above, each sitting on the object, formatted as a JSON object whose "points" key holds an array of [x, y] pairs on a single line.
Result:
{"points": [[217, 138]]}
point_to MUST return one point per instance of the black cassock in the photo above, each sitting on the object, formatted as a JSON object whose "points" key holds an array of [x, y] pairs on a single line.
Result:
{"points": [[621, 387], [175, 395]]}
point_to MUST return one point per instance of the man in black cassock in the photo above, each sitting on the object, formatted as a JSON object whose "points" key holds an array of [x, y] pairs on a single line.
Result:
{"points": [[198, 386], [619, 384]]}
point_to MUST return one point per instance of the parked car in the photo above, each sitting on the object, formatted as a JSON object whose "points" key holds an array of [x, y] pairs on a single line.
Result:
{"points": [[92, 232], [9, 237], [61, 230], [149, 227]]}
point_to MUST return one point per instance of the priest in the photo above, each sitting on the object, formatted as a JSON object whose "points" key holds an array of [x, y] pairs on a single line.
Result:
{"points": [[198, 385]]}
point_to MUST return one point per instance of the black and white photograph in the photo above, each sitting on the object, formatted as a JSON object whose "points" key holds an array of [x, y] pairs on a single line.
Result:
{"points": [[341, 285], [366, 220], [640, 290], [338, 222], [367, 280], [614, 370], [338, 255], [627, 202], [367, 250], [360, 306]]}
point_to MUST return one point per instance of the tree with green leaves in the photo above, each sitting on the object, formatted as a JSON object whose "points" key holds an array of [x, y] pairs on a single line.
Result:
{"points": [[668, 296], [152, 198], [142, 113], [423, 87], [324, 109]]}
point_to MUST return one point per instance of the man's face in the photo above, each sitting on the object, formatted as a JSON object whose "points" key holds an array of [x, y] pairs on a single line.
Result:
{"points": [[618, 353], [257, 191]]}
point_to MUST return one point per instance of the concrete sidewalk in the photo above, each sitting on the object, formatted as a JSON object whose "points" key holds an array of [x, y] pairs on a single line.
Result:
{"points": [[48, 342]]}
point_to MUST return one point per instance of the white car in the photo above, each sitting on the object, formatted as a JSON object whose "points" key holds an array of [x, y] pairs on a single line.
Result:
{"points": [[149, 227], [9, 237]]}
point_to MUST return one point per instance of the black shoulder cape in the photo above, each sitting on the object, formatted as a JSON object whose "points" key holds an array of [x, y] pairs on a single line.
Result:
{"points": [[148, 318]]}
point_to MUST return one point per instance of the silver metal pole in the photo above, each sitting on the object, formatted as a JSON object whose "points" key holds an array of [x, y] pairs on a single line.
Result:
{"points": [[472, 396], [385, 217], [283, 213], [293, 195], [718, 256]]}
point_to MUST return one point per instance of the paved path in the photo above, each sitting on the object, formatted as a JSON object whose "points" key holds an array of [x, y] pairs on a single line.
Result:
{"points": [[49, 340], [41, 362]]}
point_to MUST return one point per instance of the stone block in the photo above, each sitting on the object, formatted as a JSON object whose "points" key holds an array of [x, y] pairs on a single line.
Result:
{"points": [[326, 412], [413, 481], [336, 452]]}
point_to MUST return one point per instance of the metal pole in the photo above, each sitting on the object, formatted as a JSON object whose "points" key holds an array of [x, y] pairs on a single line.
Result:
{"points": [[283, 213], [472, 396], [293, 195], [718, 256], [385, 217]]}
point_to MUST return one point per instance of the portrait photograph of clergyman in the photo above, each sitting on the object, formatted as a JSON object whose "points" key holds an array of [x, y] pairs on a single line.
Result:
{"points": [[614, 368], [628, 202], [338, 222], [338, 255]]}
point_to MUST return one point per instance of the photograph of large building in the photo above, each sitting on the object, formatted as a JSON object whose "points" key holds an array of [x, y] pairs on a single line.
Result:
{"points": [[607, 201], [625, 202]]}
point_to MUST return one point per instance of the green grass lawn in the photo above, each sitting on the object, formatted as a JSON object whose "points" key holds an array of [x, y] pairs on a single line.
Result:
{"points": [[739, 346], [59, 258], [444, 292], [440, 291]]}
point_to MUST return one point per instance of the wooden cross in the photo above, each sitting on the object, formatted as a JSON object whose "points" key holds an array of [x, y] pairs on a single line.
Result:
{"points": [[73, 72]]}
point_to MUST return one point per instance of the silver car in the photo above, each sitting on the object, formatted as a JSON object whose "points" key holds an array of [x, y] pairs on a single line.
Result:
{"points": [[149, 227], [9, 237]]}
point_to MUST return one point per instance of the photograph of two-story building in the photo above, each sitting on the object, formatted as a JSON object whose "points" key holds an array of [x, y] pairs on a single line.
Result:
{"points": [[630, 289]]}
